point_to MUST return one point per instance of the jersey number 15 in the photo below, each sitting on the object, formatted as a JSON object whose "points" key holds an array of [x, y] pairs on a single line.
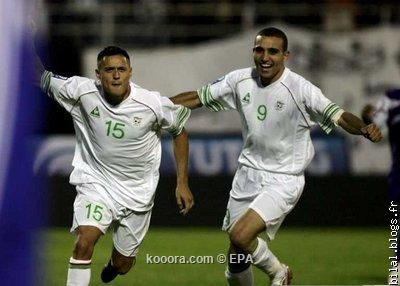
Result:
{"points": [[115, 129]]}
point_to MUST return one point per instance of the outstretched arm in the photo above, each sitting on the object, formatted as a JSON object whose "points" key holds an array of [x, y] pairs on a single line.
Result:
{"points": [[189, 99], [354, 125], [184, 197]]}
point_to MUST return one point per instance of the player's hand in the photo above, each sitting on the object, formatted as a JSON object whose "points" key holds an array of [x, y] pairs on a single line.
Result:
{"points": [[372, 132], [184, 198]]}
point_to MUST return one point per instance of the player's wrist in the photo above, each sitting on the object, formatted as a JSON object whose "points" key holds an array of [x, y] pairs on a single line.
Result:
{"points": [[182, 182]]}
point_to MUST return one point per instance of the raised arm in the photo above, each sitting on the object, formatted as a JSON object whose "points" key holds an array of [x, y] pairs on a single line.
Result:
{"points": [[184, 197], [37, 62], [189, 99], [38, 68], [354, 125]]}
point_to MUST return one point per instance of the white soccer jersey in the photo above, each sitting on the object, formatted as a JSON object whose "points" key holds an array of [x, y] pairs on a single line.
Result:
{"points": [[276, 119], [117, 146]]}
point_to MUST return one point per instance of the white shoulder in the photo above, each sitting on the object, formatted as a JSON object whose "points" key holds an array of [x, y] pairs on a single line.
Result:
{"points": [[292, 78], [85, 85], [243, 73], [66, 87], [239, 75], [76, 80], [297, 84], [151, 99]]}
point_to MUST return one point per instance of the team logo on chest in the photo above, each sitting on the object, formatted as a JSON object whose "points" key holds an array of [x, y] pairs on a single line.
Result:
{"points": [[279, 105], [246, 98], [95, 112], [136, 121]]}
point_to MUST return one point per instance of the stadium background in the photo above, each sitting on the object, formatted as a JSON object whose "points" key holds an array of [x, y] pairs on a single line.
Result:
{"points": [[348, 48], [345, 47]]}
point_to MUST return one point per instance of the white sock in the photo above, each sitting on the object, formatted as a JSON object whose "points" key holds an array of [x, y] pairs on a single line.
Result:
{"points": [[244, 278], [78, 272], [264, 259]]}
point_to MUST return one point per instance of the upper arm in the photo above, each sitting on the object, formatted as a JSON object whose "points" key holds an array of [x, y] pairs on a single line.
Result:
{"points": [[173, 117], [182, 137], [66, 91], [190, 99], [220, 94], [324, 111]]}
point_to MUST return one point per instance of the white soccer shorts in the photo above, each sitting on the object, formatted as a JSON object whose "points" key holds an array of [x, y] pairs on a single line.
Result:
{"points": [[271, 195], [93, 206]]}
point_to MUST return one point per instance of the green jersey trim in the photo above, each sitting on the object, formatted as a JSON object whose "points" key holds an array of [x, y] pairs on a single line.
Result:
{"points": [[328, 113], [183, 115], [45, 81], [207, 99]]}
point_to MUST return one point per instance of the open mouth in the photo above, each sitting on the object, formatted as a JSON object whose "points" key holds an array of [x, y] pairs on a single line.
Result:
{"points": [[266, 65]]}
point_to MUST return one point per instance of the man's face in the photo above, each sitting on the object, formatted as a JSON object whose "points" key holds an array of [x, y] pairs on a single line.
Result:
{"points": [[115, 72], [269, 58]]}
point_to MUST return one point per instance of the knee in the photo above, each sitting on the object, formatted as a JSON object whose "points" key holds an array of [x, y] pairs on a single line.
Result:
{"points": [[83, 248], [239, 239], [86, 238], [123, 264]]}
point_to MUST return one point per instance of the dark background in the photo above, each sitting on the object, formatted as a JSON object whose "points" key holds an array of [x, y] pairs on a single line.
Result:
{"points": [[326, 201]]}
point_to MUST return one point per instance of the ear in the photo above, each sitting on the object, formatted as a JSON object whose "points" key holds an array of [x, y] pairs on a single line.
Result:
{"points": [[97, 73], [286, 55]]}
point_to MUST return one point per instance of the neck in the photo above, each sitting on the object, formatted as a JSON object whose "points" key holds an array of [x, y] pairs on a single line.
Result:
{"points": [[116, 99], [268, 81], [265, 82]]}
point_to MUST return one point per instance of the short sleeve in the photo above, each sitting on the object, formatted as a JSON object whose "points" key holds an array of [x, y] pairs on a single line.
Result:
{"points": [[320, 108], [62, 89], [219, 95], [173, 117]]}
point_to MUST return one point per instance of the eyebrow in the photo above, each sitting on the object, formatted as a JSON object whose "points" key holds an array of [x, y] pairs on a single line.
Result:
{"points": [[116, 67], [271, 50]]}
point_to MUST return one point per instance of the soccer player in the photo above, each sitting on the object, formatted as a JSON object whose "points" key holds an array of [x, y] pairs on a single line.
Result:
{"points": [[386, 113], [117, 157], [277, 108]]}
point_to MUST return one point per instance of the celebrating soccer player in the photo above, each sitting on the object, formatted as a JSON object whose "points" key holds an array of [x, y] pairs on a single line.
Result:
{"points": [[117, 158], [277, 108]]}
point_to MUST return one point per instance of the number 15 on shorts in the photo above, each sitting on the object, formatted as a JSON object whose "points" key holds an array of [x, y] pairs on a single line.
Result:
{"points": [[94, 211]]}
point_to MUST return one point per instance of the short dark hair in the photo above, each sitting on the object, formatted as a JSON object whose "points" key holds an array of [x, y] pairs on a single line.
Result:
{"points": [[274, 32], [112, 51]]}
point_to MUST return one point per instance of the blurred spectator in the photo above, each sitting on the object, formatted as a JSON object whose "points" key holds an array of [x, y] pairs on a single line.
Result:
{"points": [[386, 112], [340, 15], [153, 14]]}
